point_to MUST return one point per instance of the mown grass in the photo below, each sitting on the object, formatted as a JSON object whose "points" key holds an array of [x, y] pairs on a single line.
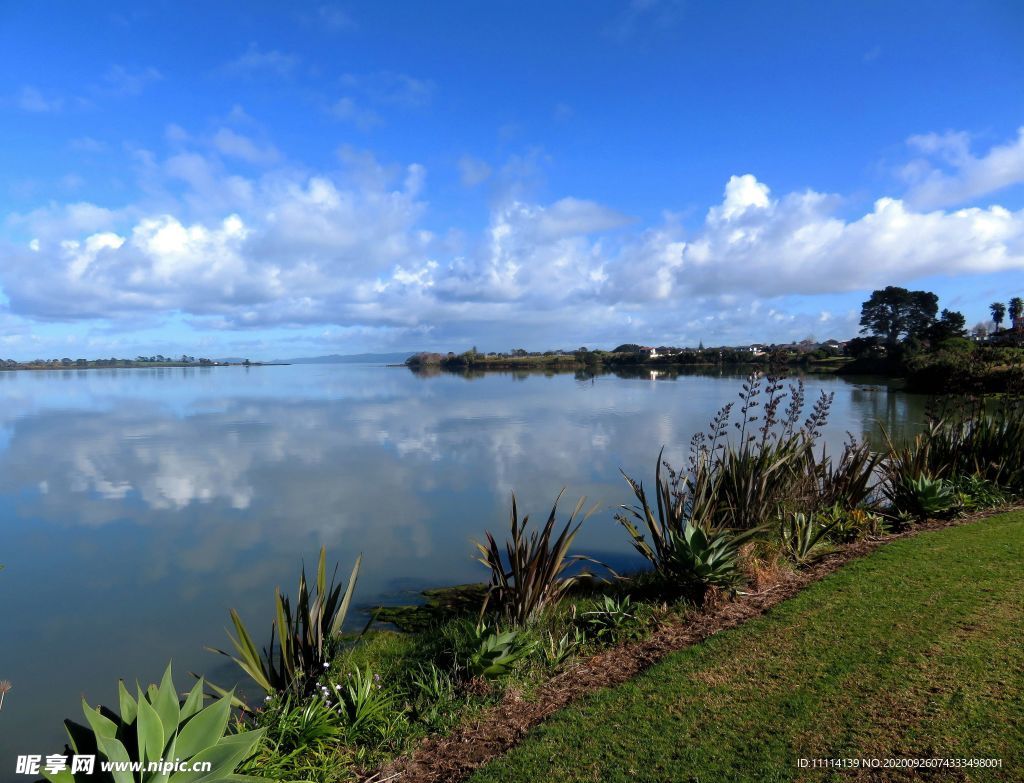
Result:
{"points": [[913, 651]]}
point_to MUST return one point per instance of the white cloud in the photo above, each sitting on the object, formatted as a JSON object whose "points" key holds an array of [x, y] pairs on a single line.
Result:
{"points": [[119, 81], [347, 110], [255, 60], [87, 144], [951, 174], [350, 248], [472, 171], [295, 249], [334, 18], [391, 88], [233, 144], [30, 99]]}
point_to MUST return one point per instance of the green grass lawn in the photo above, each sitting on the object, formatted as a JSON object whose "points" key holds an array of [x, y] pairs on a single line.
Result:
{"points": [[914, 651]]}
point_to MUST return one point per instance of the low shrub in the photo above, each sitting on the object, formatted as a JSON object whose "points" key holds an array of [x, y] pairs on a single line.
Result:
{"points": [[611, 619], [302, 641], [369, 711], [558, 651], [974, 492], [923, 497], [495, 653], [802, 537], [154, 726], [847, 525]]}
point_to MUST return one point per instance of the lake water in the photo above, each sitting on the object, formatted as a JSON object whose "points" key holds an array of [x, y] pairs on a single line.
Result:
{"points": [[139, 505]]}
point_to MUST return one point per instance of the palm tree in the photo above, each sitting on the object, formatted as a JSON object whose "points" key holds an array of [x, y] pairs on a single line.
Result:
{"points": [[998, 310], [1016, 311]]}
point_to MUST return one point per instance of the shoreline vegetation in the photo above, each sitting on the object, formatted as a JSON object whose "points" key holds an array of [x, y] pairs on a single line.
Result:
{"points": [[141, 362], [905, 337], [802, 656], [757, 507]]}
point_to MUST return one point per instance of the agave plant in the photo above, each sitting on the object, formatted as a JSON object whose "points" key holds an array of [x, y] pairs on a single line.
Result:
{"points": [[801, 535], [558, 651], [686, 547], [846, 525], [925, 497], [301, 640], [611, 617], [529, 576], [495, 653], [679, 500], [162, 735], [700, 559]]}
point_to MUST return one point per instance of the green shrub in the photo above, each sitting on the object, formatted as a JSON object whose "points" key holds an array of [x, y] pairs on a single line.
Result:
{"points": [[611, 619], [369, 711], [801, 536], [494, 653], [155, 726], [849, 482], [974, 492], [433, 694], [558, 651], [924, 497], [530, 575], [847, 525], [699, 560], [303, 640], [301, 741]]}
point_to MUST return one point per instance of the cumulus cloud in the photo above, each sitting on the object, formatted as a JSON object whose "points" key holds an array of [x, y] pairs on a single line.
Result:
{"points": [[297, 246], [350, 248], [949, 173]]}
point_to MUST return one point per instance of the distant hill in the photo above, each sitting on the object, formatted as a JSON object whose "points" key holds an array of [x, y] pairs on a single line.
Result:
{"points": [[354, 358]]}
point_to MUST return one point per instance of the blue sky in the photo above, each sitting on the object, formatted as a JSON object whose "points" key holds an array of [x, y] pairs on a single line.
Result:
{"points": [[277, 180]]}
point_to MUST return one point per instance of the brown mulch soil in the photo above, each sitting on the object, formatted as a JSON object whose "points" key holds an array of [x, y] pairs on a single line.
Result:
{"points": [[454, 757]]}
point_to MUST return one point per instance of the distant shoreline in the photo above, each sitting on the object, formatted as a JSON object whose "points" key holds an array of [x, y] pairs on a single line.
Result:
{"points": [[127, 365]]}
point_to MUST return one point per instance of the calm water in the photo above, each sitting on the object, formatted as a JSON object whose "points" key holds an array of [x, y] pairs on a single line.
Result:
{"points": [[139, 505]]}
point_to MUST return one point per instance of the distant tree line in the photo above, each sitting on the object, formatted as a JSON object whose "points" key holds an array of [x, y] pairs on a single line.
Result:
{"points": [[138, 361]]}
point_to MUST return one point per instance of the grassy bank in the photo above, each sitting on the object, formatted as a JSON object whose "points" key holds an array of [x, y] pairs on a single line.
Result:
{"points": [[913, 651]]}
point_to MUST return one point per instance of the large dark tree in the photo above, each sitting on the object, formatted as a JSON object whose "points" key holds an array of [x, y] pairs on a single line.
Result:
{"points": [[1017, 313], [896, 313], [998, 310], [950, 324]]}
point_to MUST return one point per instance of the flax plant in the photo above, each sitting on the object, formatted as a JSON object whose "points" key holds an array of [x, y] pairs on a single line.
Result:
{"points": [[301, 639], [530, 575]]}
